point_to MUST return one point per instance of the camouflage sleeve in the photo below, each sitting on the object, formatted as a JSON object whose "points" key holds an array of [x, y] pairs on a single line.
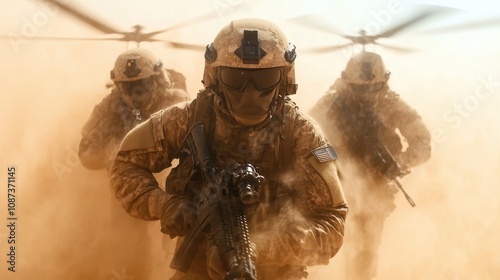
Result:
{"points": [[412, 128], [313, 232], [101, 136], [149, 148]]}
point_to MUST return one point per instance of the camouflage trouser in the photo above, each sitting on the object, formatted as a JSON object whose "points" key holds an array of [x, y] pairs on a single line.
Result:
{"points": [[370, 205], [199, 271]]}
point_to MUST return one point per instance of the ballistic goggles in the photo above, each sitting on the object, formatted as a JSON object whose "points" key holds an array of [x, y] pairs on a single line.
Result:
{"points": [[137, 87], [237, 79]]}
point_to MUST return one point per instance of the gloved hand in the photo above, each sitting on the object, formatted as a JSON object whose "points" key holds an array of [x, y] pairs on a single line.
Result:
{"points": [[178, 214]]}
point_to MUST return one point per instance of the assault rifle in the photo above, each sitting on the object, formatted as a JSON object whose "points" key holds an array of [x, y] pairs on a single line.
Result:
{"points": [[391, 168], [367, 131], [219, 214]]}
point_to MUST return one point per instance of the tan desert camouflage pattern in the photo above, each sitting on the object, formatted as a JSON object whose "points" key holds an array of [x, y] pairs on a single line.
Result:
{"points": [[392, 111], [308, 230], [371, 198], [111, 119]]}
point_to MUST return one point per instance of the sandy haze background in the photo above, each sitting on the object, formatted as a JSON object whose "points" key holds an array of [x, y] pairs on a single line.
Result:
{"points": [[48, 89]]}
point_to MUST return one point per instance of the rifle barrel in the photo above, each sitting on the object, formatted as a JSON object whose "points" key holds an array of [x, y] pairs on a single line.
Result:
{"points": [[412, 203]]}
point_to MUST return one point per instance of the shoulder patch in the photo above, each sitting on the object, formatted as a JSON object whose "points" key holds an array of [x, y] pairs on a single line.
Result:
{"points": [[330, 175], [325, 154]]}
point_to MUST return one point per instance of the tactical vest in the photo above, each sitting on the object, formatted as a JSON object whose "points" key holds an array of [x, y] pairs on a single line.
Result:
{"points": [[360, 126], [184, 180]]}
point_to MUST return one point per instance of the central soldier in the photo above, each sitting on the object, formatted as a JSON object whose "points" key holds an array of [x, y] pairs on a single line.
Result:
{"points": [[298, 218]]}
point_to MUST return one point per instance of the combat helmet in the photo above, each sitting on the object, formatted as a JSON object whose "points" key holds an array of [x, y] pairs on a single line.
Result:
{"points": [[365, 68], [251, 43], [135, 64]]}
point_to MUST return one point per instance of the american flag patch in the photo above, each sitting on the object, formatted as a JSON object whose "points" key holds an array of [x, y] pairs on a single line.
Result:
{"points": [[325, 154]]}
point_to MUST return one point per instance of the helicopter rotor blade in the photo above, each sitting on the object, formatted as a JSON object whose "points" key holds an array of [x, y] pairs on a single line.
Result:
{"points": [[470, 25], [60, 38], [106, 29], [414, 20], [325, 49], [42, 38], [395, 48], [185, 46], [139, 36]]}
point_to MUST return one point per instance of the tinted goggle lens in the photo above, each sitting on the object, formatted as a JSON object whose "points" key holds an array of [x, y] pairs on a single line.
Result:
{"points": [[238, 79], [137, 87]]}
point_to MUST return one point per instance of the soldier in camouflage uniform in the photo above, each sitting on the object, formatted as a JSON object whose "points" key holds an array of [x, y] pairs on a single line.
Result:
{"points": [[358, 111], [249, 73], [141, 87]]}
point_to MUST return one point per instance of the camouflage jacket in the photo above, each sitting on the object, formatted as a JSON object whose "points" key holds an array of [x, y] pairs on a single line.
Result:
{"points": [[347, 120], [309, 227], [111, 120]]}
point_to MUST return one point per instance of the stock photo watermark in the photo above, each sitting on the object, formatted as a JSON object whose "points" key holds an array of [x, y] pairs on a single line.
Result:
{"points": [[11, 221], [70, 162], [454, 117], [30, 25]]}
